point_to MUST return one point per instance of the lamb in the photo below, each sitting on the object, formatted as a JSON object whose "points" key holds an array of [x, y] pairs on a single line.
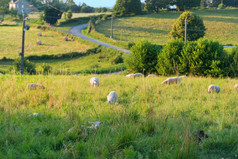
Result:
{"points": [[112, 97], [130, 76], [171, 80], [35, 86], [236, 86], [213, 88], [94, 81]]}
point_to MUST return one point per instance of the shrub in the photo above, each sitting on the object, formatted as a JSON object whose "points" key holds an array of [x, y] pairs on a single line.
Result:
{"points": [[69, 14], [233, 63], [29, 67], [45, 68], [195, 27], [221, 6], [143, 57], [168, 60]]}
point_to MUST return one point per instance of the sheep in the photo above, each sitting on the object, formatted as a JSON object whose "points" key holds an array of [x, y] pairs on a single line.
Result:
{"points": [[95, 125], [183, 76], [0, 74], [171, 80], [236, 86], [94, 81], [39, 42], [151, 75], [112, 97], [130, 76], [213, 88], [35, 86], [39, 34], [65, 38], [138, 75]]}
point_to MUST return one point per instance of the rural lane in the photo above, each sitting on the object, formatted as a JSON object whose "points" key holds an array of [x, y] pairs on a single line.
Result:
{"points": [[77, 31]]}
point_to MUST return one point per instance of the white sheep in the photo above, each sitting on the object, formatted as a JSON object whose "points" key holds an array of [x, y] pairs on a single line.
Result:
{"points": [[130, 76], [95, 125], [171, 80], [213, 88], [112, 97], [151, 75], [236, 86], [94, 81], [39, 42], [65, 38], [39, 34], [183, 76], [35, 86], [138, 75]]}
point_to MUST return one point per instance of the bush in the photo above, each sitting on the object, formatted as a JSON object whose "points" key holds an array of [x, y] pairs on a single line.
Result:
{"points": [[233, 63], [168, 60], [69, 14], [221, 6], [29, 67], [195, 27], [44, 68], [143, 57]]}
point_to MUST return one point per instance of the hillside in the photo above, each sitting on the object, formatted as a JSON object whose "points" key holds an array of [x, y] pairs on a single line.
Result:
{"points": [[147, 121]]}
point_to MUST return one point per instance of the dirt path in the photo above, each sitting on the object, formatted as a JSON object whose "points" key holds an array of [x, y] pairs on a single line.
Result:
{"points": [[76, 30]]}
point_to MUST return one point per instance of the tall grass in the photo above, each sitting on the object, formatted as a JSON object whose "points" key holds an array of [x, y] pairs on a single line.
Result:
{"points": [[148, 120]]}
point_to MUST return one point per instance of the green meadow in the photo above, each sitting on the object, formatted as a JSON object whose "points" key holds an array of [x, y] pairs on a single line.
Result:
{"points": [[222, 25], [147, 121]]}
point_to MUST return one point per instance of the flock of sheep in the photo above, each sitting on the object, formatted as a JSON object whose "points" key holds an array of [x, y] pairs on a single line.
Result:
{"points": [[40, 34]]}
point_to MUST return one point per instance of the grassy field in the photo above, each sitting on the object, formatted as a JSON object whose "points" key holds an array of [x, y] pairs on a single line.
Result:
{"points": [[147, 121], [52, 43], [222, 25]]}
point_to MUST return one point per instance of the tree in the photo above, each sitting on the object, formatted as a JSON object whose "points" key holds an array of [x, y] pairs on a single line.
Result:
{"points": [[155, 5], [3, 7], [195, 27], [127, 7], [186, 4], [51, 15], [143, 57], [69, 14]]}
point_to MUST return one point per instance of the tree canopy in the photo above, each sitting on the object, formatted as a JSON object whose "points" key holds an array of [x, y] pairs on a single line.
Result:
{"points": [[155, 5], [127, 7], [195, 27], [51, 15]]}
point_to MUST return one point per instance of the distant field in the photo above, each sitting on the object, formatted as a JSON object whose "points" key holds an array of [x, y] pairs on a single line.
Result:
{"points": [[11, 36], [147, 121], [222, 25]]}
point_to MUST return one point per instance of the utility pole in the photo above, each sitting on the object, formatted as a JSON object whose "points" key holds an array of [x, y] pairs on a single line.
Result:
{"points": [[112, 27], [23, 39], [121, 35], [185, 36]]}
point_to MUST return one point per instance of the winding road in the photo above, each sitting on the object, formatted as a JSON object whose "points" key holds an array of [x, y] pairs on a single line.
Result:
{"points": [[77, 31]]}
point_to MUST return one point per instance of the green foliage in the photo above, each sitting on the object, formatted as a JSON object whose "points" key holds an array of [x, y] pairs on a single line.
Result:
{"points": [[69, 14], [233, 63], [91, 26], [221, 6], [195, 27], [29, 67], [13, 13], [143, 57], [155, 5], [168, 60], [127, 7], [186, 4], [51, 15], [44, 68], [41, 16]]}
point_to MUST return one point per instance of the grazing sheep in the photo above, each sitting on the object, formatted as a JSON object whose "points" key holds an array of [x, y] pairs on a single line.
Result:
{"points": [[112, 97], [213, 88], [94, 81], [130, 76], [236, 86], [39, 34], [138, 75], [65, 38], [39, 42], [95, 125], [183, 76], [171, 80], [35, 86], [151, 75]]}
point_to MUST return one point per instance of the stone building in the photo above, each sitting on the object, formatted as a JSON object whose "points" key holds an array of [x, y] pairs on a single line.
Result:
{"points": [[22, 4]]}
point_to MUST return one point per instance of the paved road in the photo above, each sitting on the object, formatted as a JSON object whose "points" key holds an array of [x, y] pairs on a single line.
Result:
{"points": [[76, 30]]}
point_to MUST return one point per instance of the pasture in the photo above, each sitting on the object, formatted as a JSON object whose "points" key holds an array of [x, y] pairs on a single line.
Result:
{"points": [[148, 120], [222, 25]]}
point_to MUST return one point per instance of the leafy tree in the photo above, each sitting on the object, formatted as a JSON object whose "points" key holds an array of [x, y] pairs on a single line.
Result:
{"points": [[195, 27], [3, 7], [127, 7], [155, 5], [186, 4], [69, 14], [86, 9], [143, 57], [51, 15]]}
